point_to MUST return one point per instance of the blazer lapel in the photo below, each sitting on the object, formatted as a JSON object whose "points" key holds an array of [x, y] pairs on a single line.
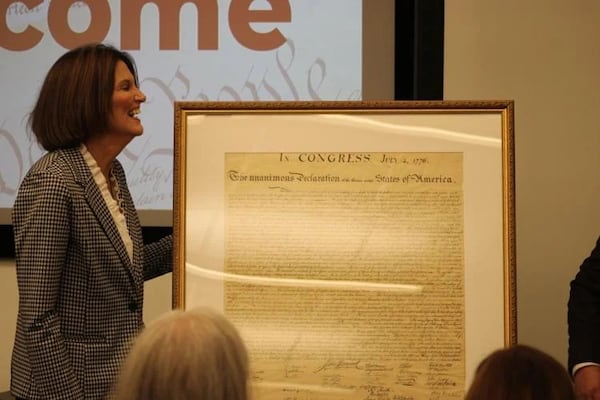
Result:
{"points": [[84, 177], [133, 223]]}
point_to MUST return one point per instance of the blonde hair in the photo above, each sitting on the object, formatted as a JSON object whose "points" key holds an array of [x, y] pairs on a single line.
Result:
{"points": [[196, 354]]}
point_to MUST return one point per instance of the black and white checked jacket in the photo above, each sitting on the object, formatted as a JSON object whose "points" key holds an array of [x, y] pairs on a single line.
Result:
{"points": [[80, 295]]}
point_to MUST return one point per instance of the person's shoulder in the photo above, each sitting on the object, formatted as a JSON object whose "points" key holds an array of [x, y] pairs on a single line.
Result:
{"points": [[55, 162], [52, 172], [44, 180]]}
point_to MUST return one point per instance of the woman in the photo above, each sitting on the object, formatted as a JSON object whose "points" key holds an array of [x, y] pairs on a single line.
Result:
{"points": [[81, 262], [520, 372], [186, 355]]}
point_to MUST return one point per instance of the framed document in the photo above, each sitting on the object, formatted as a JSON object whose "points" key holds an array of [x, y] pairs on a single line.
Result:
{"points": [[365, 250]]}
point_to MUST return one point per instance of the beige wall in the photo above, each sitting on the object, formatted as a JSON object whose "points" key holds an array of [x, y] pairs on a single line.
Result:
{"points": [[544, 55], [8, 318]]}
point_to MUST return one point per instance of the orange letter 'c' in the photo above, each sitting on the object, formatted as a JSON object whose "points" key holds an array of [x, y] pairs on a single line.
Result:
{"points": [[21, 41]]}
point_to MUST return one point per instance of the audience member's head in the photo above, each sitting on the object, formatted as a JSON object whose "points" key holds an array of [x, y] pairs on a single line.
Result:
{"points": [[196, 354], [520, 372]]}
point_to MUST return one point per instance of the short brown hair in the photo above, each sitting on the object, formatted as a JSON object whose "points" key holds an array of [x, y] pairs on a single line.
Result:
{"points": [[186, 355], [520, 372], [75, 100]]}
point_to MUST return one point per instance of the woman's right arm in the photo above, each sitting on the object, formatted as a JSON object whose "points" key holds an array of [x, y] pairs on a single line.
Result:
{"points": [[41, 224]]}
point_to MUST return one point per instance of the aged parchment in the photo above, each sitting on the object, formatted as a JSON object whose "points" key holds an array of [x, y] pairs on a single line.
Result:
{"points": [[321, 218]]}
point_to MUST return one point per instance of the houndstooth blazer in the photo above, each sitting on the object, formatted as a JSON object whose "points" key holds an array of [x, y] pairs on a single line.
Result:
{"points": [[80, 295]]}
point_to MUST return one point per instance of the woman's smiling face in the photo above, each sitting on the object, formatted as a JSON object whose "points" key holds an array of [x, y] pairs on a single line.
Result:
{"points": [[126, 101]]}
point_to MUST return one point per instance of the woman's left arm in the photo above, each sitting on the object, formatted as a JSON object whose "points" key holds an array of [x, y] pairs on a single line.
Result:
{"points": [[158, 258]]}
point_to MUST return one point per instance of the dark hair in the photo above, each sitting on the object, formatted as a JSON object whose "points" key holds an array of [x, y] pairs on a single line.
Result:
{"points": [[520, 372], [75, 100]]}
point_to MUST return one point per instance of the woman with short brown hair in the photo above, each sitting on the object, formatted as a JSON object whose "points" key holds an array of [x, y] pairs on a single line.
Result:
{"points": [[80, 257]]}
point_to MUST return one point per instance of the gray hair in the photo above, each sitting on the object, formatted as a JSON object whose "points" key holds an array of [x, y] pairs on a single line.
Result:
{"points": [[183, 355]]}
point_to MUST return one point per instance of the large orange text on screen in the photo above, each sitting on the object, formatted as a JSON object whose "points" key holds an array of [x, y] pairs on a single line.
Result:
{"points": [[240, 18]]}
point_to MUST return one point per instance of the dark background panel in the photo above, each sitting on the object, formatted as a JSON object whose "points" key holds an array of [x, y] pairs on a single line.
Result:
{"points": [[419, 46]]}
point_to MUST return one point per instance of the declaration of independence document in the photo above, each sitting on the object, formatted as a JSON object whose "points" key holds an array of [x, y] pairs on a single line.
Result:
{"points": [[310, 223]]}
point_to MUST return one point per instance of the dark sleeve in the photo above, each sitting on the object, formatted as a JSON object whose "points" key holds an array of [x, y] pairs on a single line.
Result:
{"points": [[158, 258], [584, 311]]}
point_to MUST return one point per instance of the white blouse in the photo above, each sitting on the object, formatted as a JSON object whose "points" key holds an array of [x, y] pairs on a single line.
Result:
{"points": [[114, 205]]}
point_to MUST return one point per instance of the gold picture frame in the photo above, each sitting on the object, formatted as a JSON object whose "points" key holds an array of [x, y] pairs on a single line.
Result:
{"points": [[360, 247]]}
